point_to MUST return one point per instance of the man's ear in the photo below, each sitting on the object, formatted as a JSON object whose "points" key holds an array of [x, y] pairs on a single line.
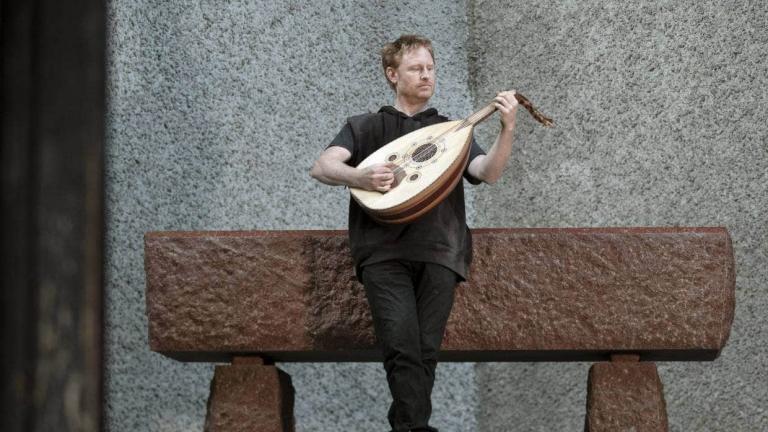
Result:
{"points": [[391, 74]]}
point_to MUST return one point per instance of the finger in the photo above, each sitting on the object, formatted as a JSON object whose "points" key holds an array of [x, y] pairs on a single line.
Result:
{"points": [[502, 100], [501, 107], [510, 99]]}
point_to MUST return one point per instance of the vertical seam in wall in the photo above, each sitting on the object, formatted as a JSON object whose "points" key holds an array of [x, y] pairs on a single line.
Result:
{"points": [[470, 205], [471, 83], [472, 87]]}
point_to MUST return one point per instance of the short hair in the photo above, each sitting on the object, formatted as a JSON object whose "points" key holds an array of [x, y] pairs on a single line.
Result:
{"points": [[392, 53]]}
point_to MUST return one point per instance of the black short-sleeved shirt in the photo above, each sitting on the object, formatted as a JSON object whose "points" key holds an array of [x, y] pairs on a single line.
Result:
{"points": [[440, 236]]}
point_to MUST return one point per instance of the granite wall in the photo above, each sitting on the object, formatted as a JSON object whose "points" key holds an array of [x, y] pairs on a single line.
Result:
{"points": [[217, 109], [660, 121]]}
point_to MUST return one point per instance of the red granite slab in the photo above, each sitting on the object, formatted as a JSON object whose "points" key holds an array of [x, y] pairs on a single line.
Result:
{"points": [[557, 294]]}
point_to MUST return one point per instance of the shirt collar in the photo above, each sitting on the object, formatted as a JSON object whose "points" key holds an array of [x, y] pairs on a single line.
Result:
{"points": [[418, 116]]}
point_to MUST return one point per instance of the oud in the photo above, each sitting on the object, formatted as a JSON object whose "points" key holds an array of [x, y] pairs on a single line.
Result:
{"points": [[427, 163]]}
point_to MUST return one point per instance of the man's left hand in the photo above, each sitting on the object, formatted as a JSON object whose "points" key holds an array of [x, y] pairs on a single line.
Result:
{"points": [[506, 103]]}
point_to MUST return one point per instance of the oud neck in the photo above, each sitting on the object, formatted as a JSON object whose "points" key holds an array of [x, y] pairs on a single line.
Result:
{"points": [[479, 115]]}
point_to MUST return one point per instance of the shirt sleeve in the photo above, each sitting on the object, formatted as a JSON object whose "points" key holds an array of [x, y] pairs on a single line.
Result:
{"points": [[474, 151], [346, 139]]}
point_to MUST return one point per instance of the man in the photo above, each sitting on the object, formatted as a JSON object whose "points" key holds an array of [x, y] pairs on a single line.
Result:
{"points": [[409, 271]]}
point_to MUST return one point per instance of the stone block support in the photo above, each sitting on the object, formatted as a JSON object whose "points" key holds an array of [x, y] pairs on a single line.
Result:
{"points": [[625, 395], [250, 395]]}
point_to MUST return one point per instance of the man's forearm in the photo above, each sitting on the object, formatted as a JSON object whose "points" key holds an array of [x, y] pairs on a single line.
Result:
{"points": [[498, 155], [336, 173]]}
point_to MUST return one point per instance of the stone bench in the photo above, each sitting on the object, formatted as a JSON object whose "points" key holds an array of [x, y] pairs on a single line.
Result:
{"points": [[622, 297]]}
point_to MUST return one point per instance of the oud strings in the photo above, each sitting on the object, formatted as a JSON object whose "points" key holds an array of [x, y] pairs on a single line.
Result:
{"points": [[471, 120]]}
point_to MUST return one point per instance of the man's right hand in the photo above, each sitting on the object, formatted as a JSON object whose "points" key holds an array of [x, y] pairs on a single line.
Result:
{"points": [[331, 168], [377, 177]]}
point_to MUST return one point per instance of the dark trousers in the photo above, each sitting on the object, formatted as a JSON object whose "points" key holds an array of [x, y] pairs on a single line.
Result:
{"points": [[410, 302]]}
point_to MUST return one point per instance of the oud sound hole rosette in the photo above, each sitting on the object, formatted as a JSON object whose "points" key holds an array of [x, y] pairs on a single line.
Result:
{"points": [[424, 152]]}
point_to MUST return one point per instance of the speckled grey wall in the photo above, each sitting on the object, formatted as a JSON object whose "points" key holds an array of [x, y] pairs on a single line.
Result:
{"points": [[660, 110], [216, 111]]}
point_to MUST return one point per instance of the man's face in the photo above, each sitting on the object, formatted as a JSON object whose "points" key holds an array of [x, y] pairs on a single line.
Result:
{"points": [[414, 78]]}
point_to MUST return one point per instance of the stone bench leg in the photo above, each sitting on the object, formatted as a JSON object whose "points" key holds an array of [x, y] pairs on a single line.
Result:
{"points": [[250, 395], [625, 395]]}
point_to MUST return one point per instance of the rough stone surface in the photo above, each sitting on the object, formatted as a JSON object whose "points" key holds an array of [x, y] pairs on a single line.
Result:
{"points": [[250, 397], [548, 294], [625, 396], [216, 111], [660, 121]]}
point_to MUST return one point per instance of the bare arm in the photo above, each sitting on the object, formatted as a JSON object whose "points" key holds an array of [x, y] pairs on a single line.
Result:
{"points": [[490, 167], [331, 169]]}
